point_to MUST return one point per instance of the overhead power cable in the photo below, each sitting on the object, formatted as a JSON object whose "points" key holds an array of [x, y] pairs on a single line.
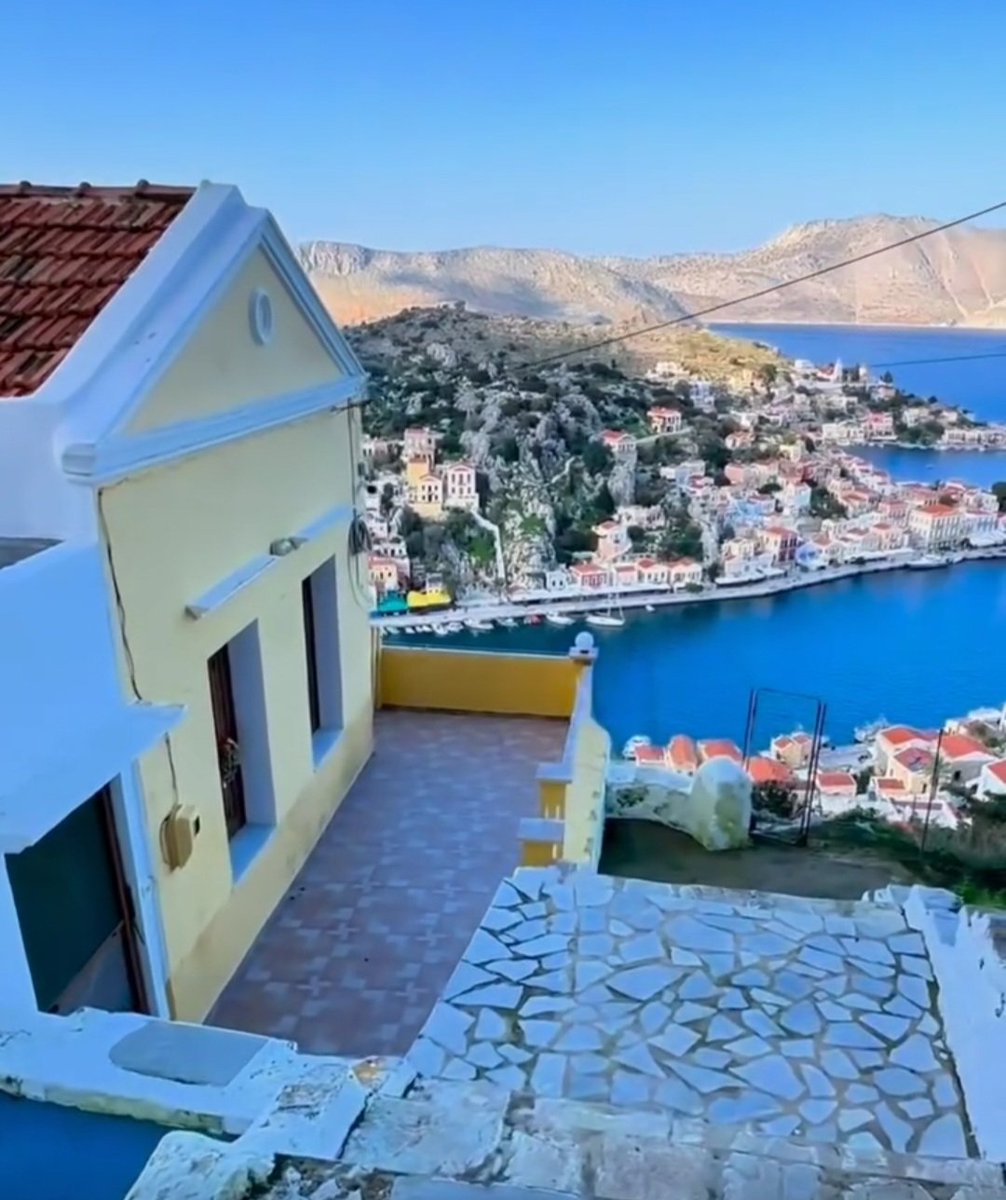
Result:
{"points": [[922, 362], [766, 291]]}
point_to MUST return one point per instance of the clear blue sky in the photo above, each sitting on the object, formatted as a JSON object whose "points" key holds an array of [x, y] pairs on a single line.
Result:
{"points": [[639, 127]]}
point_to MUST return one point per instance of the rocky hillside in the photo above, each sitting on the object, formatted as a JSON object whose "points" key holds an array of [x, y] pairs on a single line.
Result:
{"points": [[955, 277], [359, 284]]}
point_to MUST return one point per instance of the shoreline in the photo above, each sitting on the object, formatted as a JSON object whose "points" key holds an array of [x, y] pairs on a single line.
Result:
{"points": [[663, 599], [989, 329]]}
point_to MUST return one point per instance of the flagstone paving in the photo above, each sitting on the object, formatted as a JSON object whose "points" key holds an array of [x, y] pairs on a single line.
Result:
{"points": [[797, 1017]]}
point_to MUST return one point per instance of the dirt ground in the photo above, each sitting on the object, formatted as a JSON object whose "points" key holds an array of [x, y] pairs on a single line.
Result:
{"points": [[650, 851]]}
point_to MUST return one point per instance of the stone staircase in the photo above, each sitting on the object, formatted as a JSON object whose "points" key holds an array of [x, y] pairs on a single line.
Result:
{"points": [[809, 1018], [495, 1144], [622, 1040]]}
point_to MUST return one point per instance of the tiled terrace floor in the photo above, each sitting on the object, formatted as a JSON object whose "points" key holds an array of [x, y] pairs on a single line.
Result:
{"points": [[364, 941]]}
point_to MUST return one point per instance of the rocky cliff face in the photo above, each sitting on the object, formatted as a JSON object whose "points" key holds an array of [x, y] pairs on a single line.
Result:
{"points": [[955, 277]]}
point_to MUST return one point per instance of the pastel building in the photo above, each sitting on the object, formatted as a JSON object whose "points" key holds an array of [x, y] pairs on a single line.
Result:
{"points": [[937, 526], [179, 402]]}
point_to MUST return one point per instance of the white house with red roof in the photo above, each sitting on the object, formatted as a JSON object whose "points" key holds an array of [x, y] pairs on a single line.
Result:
{"points": [[913, 766], [683, 754], [962, 758], [878, 426], [654, 572], [992, 780], [894, 739], [588, 576], [937, 526], [664, 420], [719, 748], [835, 787], [622, 445], [794, 749], [762, 769], [781, 542], [685, 572]]}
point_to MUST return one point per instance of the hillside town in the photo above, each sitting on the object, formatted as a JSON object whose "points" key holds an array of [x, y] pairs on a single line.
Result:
{"points": [[578, 480], [895, 772]]}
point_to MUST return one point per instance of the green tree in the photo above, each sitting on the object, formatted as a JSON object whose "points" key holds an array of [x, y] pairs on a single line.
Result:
{"points": [[597, 458], [823, 504], [637, 535], [604, 502], [999, 491], [411, 522]]}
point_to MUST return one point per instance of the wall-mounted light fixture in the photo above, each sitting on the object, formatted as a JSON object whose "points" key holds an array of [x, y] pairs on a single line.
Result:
{"points": [[283, 546]]}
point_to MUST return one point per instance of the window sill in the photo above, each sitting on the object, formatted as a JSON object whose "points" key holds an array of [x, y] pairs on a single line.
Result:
{"points": [[246, 846], [322, 744]]}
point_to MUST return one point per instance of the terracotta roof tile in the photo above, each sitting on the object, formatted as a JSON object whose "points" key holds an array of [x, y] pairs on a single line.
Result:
{"points": [[64, 253]]}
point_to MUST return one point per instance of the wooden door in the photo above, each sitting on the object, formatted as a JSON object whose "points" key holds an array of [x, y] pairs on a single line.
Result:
{"points": [[225, 726], [76, 915]]}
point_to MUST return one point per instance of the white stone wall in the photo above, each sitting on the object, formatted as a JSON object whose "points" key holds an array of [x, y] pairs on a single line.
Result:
{"points": [[972, 1000]]}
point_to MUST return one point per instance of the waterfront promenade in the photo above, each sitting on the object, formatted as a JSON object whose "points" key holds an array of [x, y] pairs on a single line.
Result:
{"points": [[489, 610]]}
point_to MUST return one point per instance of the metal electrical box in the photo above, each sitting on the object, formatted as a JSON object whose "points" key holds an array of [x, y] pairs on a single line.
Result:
{"points": [[181, 828]]}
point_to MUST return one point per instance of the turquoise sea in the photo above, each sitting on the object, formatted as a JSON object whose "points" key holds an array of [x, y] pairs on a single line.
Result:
{"points": [[914, 646]]}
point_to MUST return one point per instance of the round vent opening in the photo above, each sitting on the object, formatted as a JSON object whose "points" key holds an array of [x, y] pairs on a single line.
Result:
{"points": [[260, 315]]}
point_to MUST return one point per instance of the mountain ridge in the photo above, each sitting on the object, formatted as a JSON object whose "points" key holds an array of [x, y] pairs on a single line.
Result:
{"points": [[953, 277]]}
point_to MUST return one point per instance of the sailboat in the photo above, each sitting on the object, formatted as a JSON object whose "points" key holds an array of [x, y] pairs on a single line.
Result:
{"points": [[607, 619]]}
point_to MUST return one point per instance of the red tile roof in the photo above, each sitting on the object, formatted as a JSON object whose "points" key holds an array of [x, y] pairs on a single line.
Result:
{"points": [[719, 748], [959, 745], [835, 781], [682, 752], [998, 769], [901, 735], [64, 253], [768, 770]]}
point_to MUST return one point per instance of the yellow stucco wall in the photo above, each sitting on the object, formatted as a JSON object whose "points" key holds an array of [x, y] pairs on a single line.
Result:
{"points": [[534, 685], [585, 794], [175, 532], [222, 367]]}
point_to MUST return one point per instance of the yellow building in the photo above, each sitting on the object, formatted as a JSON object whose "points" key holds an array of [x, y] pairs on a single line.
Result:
{"points": [[212, 419]]}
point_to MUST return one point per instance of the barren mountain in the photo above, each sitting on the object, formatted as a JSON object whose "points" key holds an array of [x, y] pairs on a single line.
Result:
{"points": [[359, 284], [954, 277]]}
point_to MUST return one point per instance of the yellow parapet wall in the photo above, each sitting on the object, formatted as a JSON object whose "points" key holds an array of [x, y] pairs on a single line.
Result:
{"points": [[529, 685], [570, 824]]}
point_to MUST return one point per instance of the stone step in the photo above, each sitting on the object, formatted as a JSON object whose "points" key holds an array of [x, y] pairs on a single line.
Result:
{"points": [[498, 1143], [531, 881]]}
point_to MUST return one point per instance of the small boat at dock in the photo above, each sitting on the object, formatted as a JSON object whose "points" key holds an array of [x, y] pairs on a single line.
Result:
{"points": [[928, 562], [477, 626], [508, 622], [556, 618], [605, 620]]}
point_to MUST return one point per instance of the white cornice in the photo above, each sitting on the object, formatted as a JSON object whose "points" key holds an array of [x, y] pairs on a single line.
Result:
{"points": [[120, 455]]}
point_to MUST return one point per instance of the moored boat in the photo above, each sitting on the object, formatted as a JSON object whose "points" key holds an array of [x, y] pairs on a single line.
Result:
{"points": [[557, 618], [927, 562], [477, 626], [604, 620]]}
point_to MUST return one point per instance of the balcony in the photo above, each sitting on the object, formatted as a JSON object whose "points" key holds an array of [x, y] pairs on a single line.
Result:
{"points": [[482, 762]]}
